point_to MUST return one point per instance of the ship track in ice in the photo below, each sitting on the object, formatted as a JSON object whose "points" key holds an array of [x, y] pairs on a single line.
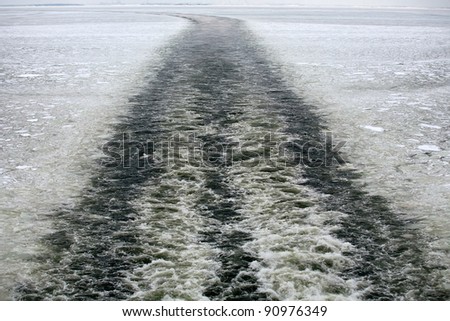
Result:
{"points": [[187, 204]]}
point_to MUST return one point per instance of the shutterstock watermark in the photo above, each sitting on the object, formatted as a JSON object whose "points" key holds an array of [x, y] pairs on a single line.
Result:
{"points": [[133, 150]]}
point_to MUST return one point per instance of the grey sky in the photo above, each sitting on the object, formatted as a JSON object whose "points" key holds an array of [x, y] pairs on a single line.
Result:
{"points": [[414, 3]]}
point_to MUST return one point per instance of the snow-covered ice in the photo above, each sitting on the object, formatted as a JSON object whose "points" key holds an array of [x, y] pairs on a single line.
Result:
{"points": [[365, 67], [381, 78], [63, 80]]}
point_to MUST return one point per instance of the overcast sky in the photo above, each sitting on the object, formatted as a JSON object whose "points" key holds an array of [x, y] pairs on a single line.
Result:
{"points": [[413, 3]]}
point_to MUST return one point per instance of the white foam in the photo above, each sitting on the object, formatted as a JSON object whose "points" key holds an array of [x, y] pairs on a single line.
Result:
{"points": [[289, 232]]}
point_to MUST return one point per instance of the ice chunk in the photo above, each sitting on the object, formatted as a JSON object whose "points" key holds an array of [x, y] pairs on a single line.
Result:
{"points": [[374, 128], [430, 126], [29, 76], [23, 167], [429, 148]]}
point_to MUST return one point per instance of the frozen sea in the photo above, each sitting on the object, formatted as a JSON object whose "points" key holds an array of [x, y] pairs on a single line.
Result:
{"points": [[73, 226]]}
